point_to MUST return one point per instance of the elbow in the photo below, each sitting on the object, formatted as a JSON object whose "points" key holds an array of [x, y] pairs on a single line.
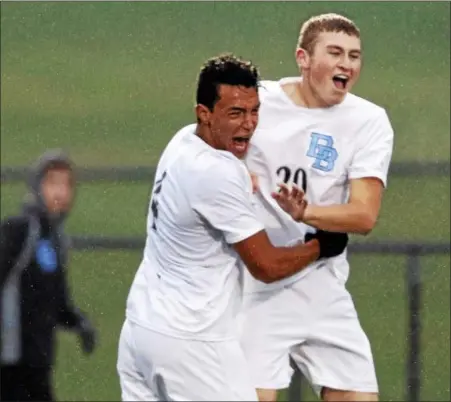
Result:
{"points": [[262, 277], [367, 224], [266, 278], [263, 273]]}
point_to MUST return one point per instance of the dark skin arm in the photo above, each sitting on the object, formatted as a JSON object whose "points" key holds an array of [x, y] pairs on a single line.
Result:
{"points": [[268, 263]]}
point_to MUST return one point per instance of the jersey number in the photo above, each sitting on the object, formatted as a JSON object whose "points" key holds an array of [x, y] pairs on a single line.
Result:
{"points": [[298, 177], [154, 205]]}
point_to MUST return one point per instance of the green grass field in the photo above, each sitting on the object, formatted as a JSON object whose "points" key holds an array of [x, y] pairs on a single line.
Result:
{"points": [[111, 82]]}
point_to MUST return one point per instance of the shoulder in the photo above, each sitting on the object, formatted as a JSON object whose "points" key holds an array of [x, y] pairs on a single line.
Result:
{"points": [[216, 174], [269, 91], [365, 108], [214, 165], [268, 86], [182, 133], [196, 158], [14, 229], [174, 143], [369, 126], [14, 223], [367, 117]]}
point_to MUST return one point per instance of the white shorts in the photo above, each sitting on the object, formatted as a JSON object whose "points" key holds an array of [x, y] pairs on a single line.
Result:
{"points": [[157, 367], [315, 322]]}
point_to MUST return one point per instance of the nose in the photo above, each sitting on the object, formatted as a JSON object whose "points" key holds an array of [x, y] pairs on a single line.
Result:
{"points": [[63, 194], [345, 63], [250, 121]]}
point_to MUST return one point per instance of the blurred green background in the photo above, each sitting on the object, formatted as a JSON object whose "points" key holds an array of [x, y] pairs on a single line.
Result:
{"points": [[111, 82]]}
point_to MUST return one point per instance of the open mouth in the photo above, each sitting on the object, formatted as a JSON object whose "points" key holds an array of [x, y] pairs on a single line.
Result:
{"points": [[240, 144], [340, 81]]}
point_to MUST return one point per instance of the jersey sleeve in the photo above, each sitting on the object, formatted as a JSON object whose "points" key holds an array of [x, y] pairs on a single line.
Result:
{"points": [[223, 199], [373, 157]]}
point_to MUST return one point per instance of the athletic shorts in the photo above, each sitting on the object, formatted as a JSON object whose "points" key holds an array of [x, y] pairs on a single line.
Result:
{"points": [[157, 367], [315, 322]]}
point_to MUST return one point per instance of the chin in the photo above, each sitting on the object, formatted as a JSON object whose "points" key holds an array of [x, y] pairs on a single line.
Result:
{"points": [[240, 156], [337, 99]]}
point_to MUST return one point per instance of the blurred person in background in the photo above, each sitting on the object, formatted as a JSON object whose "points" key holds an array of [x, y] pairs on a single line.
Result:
{"points": [[34, 294]]}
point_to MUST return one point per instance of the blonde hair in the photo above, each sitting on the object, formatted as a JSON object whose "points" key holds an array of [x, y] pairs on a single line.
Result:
{"points": [[330, 22]]}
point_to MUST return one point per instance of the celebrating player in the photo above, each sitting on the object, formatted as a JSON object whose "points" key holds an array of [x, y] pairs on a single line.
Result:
{"points": [[180, 338], [337, 147]]}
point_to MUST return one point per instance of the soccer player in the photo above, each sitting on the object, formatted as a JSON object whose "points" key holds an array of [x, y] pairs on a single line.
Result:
{"points": [[337, 147], [180, 338]]}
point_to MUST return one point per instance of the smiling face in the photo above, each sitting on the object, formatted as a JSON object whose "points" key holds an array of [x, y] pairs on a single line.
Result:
{"points": [[233, 120], [328, 54], [332, 67]]}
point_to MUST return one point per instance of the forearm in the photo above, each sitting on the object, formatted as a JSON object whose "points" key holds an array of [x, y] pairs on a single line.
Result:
{"points": [[287, 261], [69, 317], [348, 218]]}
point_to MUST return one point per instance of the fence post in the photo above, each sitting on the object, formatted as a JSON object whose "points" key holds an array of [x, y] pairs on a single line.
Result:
{"points": [[414, 329]]}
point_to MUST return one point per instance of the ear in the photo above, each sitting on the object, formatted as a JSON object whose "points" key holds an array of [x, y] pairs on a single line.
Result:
{"points": [[203, 114], [302, 58]]}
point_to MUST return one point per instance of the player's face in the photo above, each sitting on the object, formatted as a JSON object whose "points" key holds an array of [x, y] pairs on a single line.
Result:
{"points": [[57, 190], [333, 67], [234, 118]]}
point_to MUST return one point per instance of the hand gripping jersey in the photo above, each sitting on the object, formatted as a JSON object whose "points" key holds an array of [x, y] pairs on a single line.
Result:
{"points": [[320, 150]]}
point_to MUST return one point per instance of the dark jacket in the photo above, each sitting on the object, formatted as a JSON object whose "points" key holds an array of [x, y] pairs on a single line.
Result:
{"points": [[34, 296]]}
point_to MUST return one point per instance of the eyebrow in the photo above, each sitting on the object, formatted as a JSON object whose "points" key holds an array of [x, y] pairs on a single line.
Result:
{"points": [[336, 47], [242, 109], [237, 109]]}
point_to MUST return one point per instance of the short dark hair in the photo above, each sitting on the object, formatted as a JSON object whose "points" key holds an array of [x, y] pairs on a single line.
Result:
{"points": [[224, 69]]}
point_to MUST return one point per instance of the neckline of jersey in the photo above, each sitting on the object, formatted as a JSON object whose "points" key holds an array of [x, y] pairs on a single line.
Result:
{"points": [[299, 108]]}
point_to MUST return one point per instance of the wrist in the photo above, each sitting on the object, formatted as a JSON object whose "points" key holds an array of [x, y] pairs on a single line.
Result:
{"points": [[300, 215], [307, 215], [316, 248]]}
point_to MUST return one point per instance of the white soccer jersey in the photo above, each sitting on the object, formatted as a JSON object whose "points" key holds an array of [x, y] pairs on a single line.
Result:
{"points": [[320, 150], [189, 283]]}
